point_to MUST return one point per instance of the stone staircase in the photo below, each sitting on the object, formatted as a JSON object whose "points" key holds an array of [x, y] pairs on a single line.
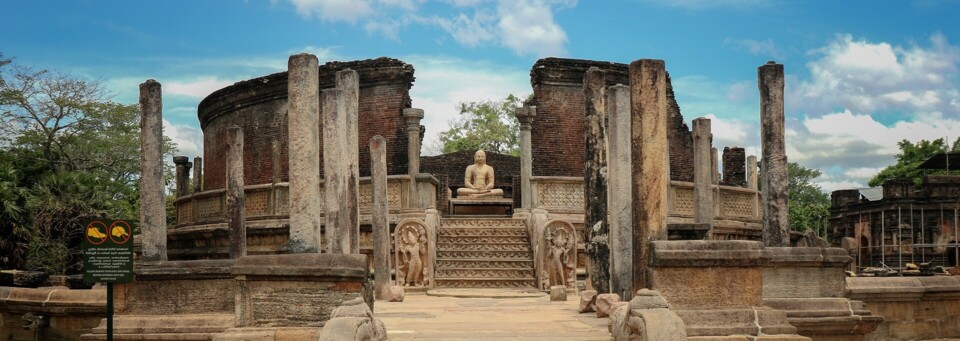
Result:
{"points": [[484, 252]]}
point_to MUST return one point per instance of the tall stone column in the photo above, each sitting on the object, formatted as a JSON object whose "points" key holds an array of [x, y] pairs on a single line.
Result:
{"points": [[714, 162], [619, 197], [340, 165], [752, 172], [153, 214], [182, 169], [197, 174], [774, 158], [303, 117], [413, 117], [236, 215], [651, 164], [525, 116], [702, 173], [379, 212], [595, 179]]}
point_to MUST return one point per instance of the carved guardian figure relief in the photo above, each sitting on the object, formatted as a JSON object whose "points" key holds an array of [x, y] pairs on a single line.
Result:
{"points": [[557, 259], [411, 250]]}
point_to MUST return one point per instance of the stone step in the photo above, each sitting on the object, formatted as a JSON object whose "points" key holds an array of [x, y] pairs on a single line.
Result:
{"points": [[483, 247], [466, 239], [484, 273], [482, 232], [462, 282], [490, 255], [163, 327], [484, 263]]}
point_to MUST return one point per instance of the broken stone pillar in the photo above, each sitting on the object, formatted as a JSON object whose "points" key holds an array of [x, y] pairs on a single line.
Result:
{"points": [[702, 173], [715, 171], [595, 179], [236, 215], [197, 174], [734, 173], [525, 116], [340, 165], [153, 214], [619, 199], [752, 172], [303, 124], [182, 175], [773, 165], [378, 221], [651, 166], [413, 117]]}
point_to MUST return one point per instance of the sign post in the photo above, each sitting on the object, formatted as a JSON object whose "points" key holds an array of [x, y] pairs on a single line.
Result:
{"points": [[108, 258]]}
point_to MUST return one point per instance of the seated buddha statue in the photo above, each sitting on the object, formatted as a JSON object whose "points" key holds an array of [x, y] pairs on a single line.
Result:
{"points": [[478, 179]]}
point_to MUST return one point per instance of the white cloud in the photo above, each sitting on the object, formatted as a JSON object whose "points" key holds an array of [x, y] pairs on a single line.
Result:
{"points": [[196, 89], [765, 48], [440, 87], [868, 77], [527, 27], [189, 139], [469, 31], [334, 10], [713, 4]]}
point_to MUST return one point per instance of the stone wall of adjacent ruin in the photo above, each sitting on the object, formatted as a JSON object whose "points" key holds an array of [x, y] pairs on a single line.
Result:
{"points": [[68, 312], [557, 130], [913, 308], [259, 107]]}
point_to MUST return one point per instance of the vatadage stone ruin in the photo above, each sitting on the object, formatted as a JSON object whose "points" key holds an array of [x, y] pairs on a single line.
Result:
{"points": [[312, 202]]}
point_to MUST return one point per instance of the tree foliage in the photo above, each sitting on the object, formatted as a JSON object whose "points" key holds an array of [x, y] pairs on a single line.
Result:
{"points": [[808, 207], [484, 125], [912, 155], [69, 152]]}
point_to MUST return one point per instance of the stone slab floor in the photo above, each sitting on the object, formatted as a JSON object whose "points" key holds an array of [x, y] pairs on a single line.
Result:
{"points": [[422, 316]]}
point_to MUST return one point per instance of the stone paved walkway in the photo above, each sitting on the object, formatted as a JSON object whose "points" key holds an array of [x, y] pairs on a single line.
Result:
{"points": [[422, 316]]}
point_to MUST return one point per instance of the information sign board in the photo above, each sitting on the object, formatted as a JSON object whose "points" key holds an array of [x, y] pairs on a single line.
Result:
{"points": [[107, 251]]}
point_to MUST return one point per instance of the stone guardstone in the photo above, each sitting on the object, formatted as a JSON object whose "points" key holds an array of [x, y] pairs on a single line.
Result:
{"points": [[588, 300], [605, 304], [558, 293], [648, 299], [353, 320]]}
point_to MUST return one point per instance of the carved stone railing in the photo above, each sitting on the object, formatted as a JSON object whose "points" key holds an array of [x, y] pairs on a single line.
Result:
{"points": [[733, 203], [269, 201]]}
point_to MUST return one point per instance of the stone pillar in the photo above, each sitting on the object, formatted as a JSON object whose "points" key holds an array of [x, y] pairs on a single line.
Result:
{"points": [[379, 213], [774, 158], [197, 174], [651, 165], [714, 170], [153, 214], [734, 173], [619, 198], [182, 175], [752, 172], [525, 116], [236, 215], [702, 173], [275, 157], [413, 117], [340, 165], [595, 179], [303, 125]]}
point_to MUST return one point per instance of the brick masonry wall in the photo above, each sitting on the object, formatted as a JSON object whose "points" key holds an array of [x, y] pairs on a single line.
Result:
{"points": [[557, 130], [734, 167], [259, 107]]}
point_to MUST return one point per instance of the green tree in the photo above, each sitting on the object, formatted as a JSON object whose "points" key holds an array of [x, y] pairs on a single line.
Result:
{"points": [[808, 207], [484, 125], [73, 154], [912, 155]]}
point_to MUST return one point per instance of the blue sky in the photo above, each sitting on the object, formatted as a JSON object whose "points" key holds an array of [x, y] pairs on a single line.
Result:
{"points": [[861, 75]]}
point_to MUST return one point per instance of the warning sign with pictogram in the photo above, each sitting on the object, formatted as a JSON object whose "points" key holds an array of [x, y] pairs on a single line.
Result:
{"points": [[107, 251]]}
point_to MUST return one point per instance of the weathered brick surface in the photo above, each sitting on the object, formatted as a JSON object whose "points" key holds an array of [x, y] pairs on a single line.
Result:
{"points": [[734, 167], [557, 130], [259, 107]]}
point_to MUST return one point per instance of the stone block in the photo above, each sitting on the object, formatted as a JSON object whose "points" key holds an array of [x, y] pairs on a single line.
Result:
{"points": [[558, 293], [605, 304], [395, 293], [648, 299], [709, 287], [920, 330], [353, 328], [588, 300], [803, 282]]}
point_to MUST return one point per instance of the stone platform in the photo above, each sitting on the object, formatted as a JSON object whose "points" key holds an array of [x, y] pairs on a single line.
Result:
{"points": [[481, 206]]}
